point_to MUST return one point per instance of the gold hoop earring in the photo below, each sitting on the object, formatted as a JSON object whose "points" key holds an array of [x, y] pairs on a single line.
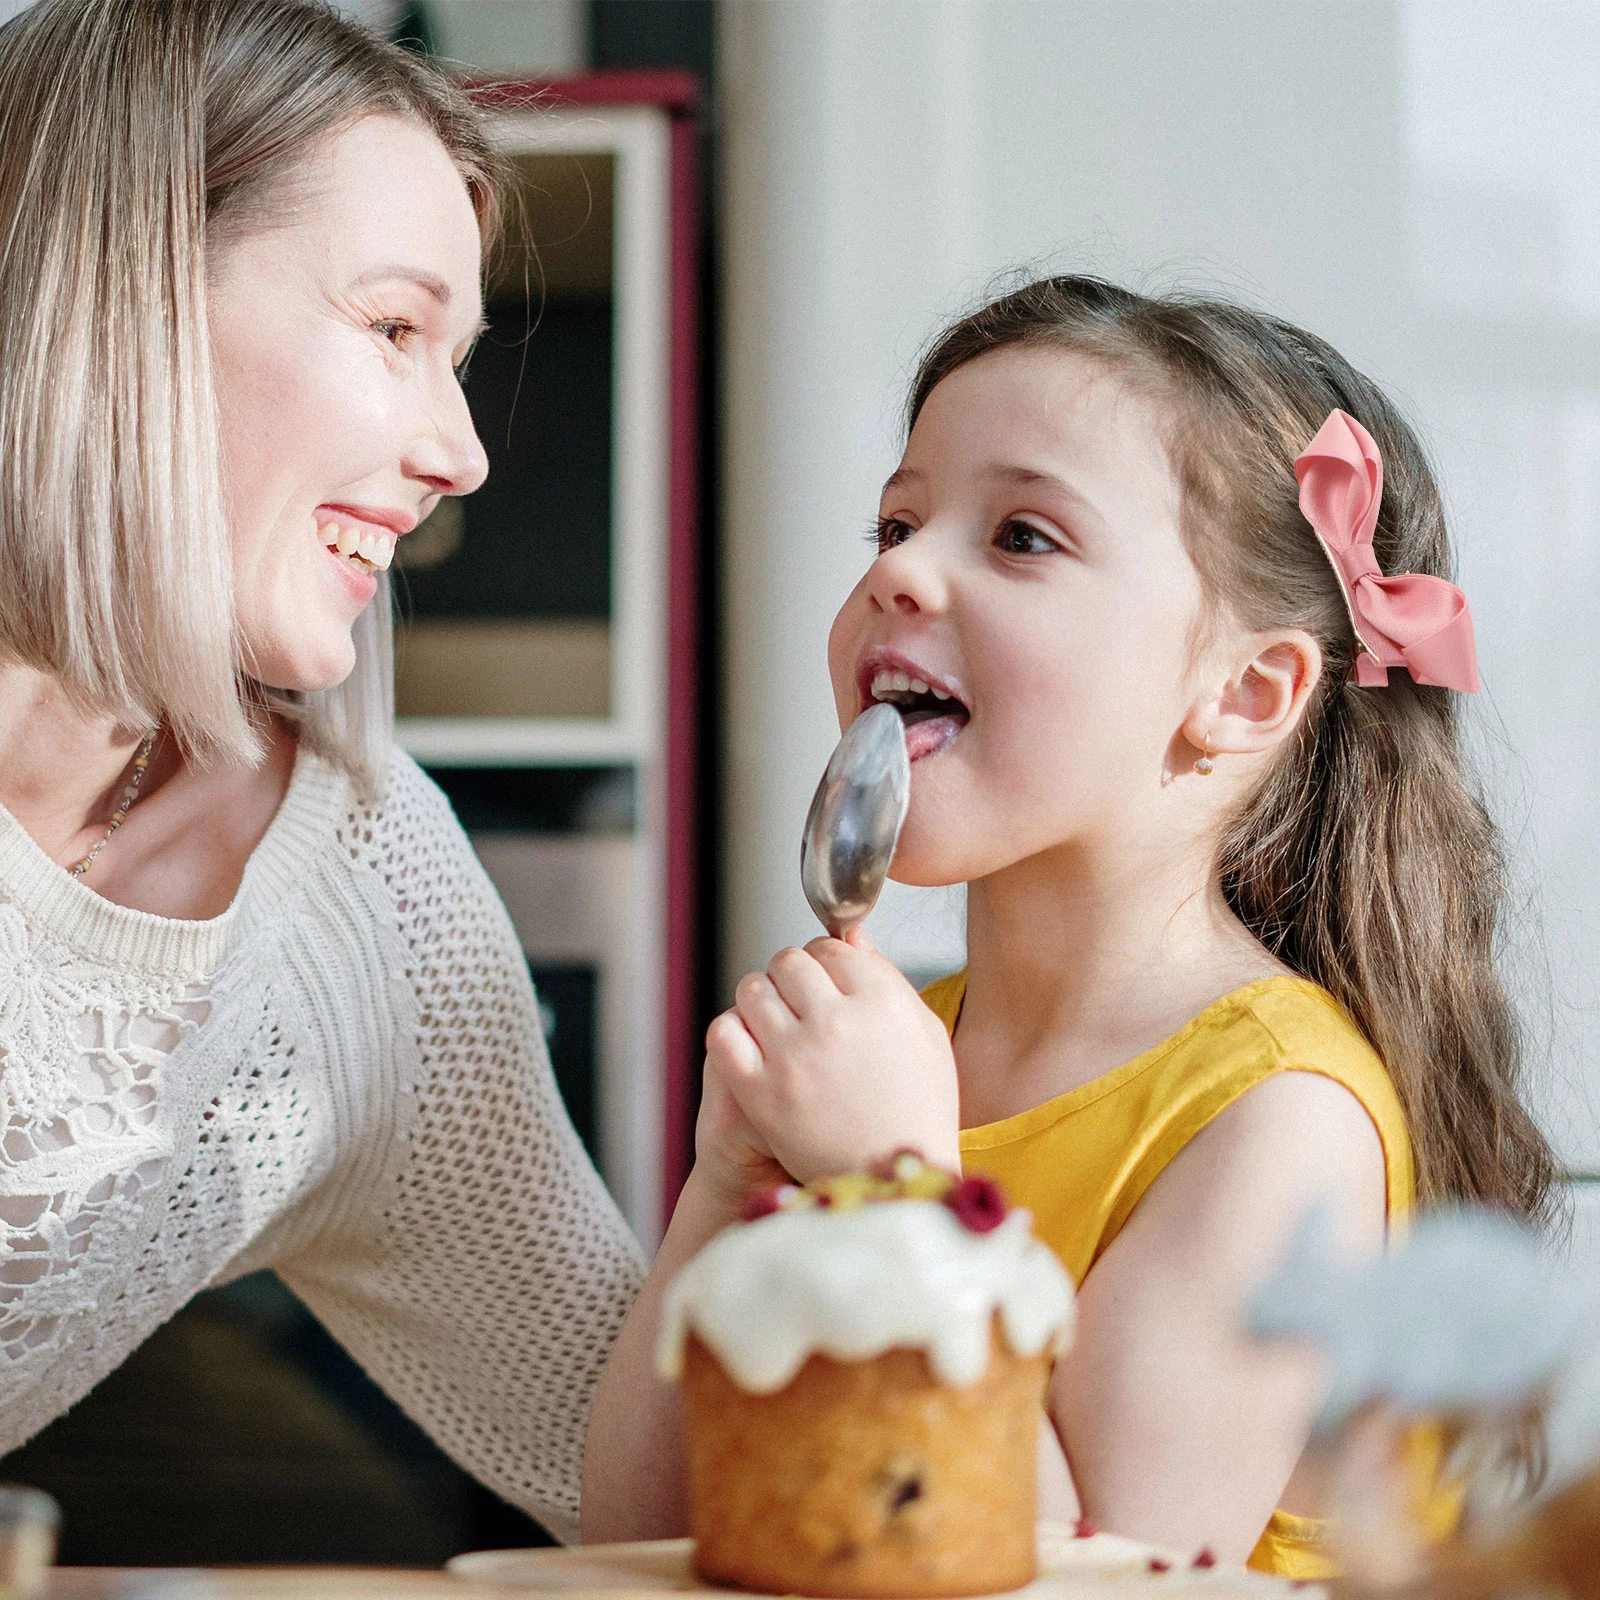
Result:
{"points": [[1205, 766]]}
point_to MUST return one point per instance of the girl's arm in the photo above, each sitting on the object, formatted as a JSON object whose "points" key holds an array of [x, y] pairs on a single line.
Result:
{"points": [[633, 1464], [1179, 1428]]}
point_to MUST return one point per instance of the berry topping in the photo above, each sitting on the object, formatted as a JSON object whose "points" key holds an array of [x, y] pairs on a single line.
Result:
{"points": [[1158, 1565], [761, 1203], [1084, 1529], [1205, 1558], [978, 1203]]}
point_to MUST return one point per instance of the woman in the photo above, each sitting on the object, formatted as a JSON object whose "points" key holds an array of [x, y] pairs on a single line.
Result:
{"points": [[259, 1005]]}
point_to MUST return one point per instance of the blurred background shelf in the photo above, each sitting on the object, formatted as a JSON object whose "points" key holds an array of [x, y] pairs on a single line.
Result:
{"points": [[551, 619]]}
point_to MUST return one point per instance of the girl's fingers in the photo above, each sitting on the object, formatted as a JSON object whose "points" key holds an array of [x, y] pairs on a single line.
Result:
{"points": [[730, 1049], [849, 968], [764, 1011], [804, 985]]}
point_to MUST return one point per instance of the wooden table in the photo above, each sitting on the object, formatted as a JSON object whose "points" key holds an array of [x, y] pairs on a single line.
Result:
{"points": [[266, 1583], [659, 1569]]}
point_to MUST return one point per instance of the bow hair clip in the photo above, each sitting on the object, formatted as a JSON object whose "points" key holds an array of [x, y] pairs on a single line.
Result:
{"points": [[1411, 620]]}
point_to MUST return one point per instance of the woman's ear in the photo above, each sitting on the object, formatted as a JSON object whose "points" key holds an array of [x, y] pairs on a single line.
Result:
{"points": [[1262, 700]]}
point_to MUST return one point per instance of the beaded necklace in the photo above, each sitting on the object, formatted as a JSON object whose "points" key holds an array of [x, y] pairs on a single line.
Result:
{"points": [[129, 795]]}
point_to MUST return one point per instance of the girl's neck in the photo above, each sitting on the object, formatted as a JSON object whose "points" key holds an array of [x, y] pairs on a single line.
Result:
{"points": [[1080, 959], [61, 768]]}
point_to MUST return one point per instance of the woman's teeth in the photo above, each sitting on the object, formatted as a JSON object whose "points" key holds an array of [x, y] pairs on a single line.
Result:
{"points": [[369, 548]]}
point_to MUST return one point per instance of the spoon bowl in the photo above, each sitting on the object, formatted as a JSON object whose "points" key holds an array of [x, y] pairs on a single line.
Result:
{"points": [[855, 819]]}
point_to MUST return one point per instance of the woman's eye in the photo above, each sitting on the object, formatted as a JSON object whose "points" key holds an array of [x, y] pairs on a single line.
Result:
{"points": [[395, 329], [891, 531], [1022, 539]]}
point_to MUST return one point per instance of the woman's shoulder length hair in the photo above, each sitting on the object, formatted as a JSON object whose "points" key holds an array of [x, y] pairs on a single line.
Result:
{"points": [[138, 138]]}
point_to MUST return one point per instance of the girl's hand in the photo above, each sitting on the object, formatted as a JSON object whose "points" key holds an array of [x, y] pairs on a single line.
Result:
{"points": [[835, 1061], [730, 1157]]}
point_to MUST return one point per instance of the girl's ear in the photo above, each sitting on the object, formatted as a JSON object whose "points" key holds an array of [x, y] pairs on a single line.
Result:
{"points": [[1261, 702]]}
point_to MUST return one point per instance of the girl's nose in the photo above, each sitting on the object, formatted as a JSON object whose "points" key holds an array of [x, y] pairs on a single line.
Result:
{"points": [[910, 577], [447, 453]]}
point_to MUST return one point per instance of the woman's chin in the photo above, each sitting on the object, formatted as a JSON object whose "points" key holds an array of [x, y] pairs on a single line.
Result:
{"points": [[303, 671]]}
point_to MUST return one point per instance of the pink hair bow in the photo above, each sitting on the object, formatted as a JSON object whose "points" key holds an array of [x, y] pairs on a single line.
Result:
{"points": [[1412, 620]]}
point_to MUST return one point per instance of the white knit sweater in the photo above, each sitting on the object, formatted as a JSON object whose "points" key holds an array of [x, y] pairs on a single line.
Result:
{"points": [[343, 1078]]}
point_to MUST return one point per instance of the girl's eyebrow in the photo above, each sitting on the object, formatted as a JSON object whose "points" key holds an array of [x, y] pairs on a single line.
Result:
{"points": [[1006, 472], [1030, 477]]}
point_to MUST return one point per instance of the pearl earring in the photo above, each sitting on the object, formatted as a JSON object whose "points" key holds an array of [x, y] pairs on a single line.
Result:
{"points": [[1205, 766]]}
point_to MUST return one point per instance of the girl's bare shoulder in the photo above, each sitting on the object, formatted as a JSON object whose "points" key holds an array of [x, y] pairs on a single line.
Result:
{"points": [[1234, 1194]]}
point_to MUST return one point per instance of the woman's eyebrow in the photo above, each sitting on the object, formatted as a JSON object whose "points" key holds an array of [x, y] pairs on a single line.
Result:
{"points": [[430, 284]]}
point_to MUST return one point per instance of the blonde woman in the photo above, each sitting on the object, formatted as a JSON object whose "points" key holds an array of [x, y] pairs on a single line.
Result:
{"points": [[259, 1005]]}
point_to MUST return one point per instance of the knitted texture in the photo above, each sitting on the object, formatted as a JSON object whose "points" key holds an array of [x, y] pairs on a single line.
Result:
{"points": [[343, 1078]]}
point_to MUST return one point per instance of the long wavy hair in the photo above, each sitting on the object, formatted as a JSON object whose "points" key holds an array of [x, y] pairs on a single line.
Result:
{"points": [[138, 140], [1365, 860]]}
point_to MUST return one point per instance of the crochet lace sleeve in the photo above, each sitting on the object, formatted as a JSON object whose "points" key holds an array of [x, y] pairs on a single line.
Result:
{"points": [[468, 1254]]}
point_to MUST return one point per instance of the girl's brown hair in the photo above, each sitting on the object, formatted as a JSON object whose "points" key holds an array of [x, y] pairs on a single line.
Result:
{"points": [[1365, 861], [138, 140]]}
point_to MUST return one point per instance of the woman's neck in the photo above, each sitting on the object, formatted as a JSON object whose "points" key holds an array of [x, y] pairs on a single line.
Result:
{"points": [[1080, 959], [61, 769]]}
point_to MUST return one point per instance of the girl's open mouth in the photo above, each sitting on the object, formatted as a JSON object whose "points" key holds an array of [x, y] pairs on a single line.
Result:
{"points": [[932, 713]]}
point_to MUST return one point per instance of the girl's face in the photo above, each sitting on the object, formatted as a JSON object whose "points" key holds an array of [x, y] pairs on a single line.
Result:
{"points": [[1031, 569], [335, 338]]}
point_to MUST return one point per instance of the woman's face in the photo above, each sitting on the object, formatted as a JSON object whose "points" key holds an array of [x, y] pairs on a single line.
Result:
{"points": [[1031, 569], [336, 334]]}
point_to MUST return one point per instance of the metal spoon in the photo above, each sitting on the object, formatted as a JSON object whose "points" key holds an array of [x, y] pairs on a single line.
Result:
{"points": [[855, 819]]}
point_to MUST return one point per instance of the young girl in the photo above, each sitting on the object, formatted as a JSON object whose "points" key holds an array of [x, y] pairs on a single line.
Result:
{"points": [[1231, 900]]}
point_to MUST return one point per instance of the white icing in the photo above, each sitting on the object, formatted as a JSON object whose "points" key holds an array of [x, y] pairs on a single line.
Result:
{"points": [[893, 1274]]}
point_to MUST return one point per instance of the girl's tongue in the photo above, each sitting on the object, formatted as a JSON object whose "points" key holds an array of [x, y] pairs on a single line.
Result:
{"points": [[927, 735]]}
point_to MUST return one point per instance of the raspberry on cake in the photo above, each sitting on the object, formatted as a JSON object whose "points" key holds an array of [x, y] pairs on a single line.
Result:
{"points": [[864, 1366]]}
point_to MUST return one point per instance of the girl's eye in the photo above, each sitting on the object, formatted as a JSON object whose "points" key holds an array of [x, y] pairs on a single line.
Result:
{"points": [[1022, 539], [890, 531]]}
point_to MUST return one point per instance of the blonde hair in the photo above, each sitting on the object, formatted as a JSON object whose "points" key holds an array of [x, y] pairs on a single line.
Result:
{"points": [[138, 139]]}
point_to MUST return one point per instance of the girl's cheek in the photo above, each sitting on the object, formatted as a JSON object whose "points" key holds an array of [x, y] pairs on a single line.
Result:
{"points": [[842, 651]]}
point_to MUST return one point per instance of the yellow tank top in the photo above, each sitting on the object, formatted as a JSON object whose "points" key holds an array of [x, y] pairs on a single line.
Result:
{"points": [[1081, 1162]]}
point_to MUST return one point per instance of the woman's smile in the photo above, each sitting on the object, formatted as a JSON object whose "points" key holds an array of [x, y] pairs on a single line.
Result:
{"points": [[361, 536], [338, 337]]}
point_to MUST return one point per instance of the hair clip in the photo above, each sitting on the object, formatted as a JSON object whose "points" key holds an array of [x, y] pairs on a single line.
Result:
{"points": [[1411, 620]]}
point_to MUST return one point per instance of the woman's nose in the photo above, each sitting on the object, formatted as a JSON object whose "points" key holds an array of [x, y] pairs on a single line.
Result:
{"points": [[909, 577], [448, 454]]}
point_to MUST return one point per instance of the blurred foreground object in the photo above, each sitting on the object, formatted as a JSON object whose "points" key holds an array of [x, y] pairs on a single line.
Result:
{"points": [[29, 1522], [1466, 1325]]}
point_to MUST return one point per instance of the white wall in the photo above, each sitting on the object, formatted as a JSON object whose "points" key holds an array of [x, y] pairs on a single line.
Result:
{"points": [[1417, 180]]}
